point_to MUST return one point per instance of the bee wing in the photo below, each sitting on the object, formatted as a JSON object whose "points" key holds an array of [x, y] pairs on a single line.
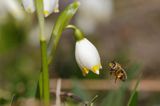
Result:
{"points": [[125, 74]]}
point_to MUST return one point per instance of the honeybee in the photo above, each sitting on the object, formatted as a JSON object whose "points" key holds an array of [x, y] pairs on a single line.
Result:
{"points": [[117, 71]]}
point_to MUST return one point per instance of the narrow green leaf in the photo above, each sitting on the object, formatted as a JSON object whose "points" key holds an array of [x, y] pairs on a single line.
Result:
{"points": [[60, 25], [134, 100], [91, 103], [134, 95]]}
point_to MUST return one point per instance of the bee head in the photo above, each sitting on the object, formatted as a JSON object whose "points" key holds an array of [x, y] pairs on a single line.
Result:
{"points": [[112, 64]]}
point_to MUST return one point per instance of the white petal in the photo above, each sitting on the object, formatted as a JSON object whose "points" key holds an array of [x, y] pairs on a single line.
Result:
{"points": [[56, 8], [29, 5], [50, 6], [86, 54], [97, 72], [82, 67], [14, 8], [78, 62]]}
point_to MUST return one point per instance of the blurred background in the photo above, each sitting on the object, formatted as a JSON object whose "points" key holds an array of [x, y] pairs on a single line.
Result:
{"points": [[123, 30]]}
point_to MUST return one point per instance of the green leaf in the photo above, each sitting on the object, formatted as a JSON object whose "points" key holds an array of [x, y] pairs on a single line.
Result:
{"points": [[134, 100], [134, 96], [62, 21], [91, 103]]}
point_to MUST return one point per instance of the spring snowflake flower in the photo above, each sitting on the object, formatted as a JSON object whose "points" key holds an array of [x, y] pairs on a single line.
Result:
{"points": [[29, 5], [87, 57], [48, 5], [12, 7]]}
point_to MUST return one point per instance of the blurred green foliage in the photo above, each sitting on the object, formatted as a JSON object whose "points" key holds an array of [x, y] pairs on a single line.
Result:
{"points": [[12, 35], [18, 68]]}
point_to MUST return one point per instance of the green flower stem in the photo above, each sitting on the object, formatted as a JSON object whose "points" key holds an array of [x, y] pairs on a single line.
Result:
{"points": [[39, 6], [77, 33], [40, 86], [44, 76], [60, 25]]}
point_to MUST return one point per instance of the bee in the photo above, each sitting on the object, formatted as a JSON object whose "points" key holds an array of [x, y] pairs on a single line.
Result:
{"points": [[117, 71]]}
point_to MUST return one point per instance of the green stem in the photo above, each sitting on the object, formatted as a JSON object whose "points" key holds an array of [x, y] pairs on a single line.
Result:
{"points": [[77, 33], [40, 85], [39, 6], [44, 75], [60, 25]]}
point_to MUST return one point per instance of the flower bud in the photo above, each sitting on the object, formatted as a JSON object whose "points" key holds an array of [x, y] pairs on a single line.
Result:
{"points": [[87, 57]]}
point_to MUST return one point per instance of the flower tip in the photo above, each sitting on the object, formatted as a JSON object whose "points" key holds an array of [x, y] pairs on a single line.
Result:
{"points": [[100, 66], [29, 10], [85, 71], [46, 13], [97, 72], [76, 4], [28, 5], [56, 10]]}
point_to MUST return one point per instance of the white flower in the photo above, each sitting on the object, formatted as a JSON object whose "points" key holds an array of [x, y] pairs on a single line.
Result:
{"points": [[87, 56], [50, 6], [29, 5], [12, 7]]}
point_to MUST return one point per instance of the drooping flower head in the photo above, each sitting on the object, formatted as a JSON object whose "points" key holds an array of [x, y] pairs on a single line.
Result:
{"points": [[87, 57], [12, 7], [29, 5], [49, 6]]}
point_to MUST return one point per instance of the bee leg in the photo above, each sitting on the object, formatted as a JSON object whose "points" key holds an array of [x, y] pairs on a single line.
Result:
{"points": [[116, 79], [111, 73]]}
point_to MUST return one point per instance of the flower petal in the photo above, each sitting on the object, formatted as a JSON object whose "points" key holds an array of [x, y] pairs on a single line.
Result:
{"points": [[56, 9], [13, 7], [50, 6], [29, 5], [96, 68], [85, 71]]}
